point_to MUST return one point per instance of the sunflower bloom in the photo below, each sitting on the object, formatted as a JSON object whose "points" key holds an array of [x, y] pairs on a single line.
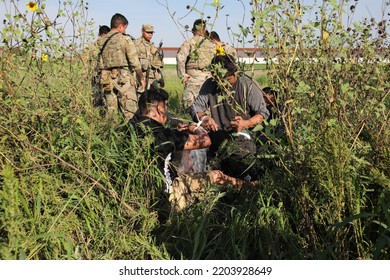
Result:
{"points": [[220, 50], [45, 57], [325, 38], [32, 6]]}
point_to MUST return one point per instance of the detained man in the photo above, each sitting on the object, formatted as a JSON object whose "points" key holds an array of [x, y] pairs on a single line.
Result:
{"points": [[236, 105], [151, 121]]}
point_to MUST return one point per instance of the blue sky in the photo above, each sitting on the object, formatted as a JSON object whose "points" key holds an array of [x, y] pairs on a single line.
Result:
{"points": [[150, 11]]}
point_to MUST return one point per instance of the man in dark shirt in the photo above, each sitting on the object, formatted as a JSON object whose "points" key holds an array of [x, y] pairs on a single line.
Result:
{"points": [[151, 120], [236, 106], [274, 128]]}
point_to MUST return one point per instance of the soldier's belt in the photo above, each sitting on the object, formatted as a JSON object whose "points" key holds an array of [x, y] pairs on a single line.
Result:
{"points": [[195, 71], [117, 68]]}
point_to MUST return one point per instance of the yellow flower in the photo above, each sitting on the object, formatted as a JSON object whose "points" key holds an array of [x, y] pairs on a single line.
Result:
{"points": [[219, 50], [325, 35], [32, 6], [325, 38], [45, 57]]}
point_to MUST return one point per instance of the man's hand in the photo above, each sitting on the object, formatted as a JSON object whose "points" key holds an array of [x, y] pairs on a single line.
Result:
{"points": [[239, 124], [192, 128], [209, 123], [143, 83], [182, 126]]}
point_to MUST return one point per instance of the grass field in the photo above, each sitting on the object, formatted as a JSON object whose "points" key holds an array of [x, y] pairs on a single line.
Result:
{"points": [[78, 185]]}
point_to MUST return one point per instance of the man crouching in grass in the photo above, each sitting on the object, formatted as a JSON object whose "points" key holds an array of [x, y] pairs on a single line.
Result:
{"points": [[151, 120]]}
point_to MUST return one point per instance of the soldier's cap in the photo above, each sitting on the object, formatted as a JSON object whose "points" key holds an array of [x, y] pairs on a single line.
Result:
{"points": [[148, 27], [198, 24]]}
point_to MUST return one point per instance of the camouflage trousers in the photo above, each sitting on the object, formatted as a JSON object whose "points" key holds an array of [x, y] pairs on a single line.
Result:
{"points": [[120, 94], [153, 79], [193, 85], [188, 189]]}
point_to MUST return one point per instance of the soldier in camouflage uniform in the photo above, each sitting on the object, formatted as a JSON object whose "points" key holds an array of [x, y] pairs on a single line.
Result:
{"points": [[193, 59], [149, 56], [91, 52], [97, 96], [223, 48], [103, 30], [120, 69]]}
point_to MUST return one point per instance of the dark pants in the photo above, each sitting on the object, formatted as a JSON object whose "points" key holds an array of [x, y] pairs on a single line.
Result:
{"points": [[237, 156]]}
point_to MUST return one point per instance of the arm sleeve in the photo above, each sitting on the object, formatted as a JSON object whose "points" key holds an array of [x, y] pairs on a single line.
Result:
{"points": [[201, 102], [180, 139], [132, 54], [256, 101], [181, 58], [169, 140]]}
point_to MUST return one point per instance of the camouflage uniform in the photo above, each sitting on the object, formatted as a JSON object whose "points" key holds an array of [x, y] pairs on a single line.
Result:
{"points": [[150, 60], [193, 59], [95, 60], [222, 48], [119, 64], [227, 50], [96, 47], [230, 50]]}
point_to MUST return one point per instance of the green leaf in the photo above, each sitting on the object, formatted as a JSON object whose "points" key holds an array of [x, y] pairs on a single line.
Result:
{"points": [[4, 139], [65, 120], [354, 217], [220, 98], [332, 122], [303, 87], [258, 127], [273, 122]]}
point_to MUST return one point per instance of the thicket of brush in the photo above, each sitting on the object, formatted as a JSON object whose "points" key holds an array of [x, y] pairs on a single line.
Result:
{"points": [[75, 185]]}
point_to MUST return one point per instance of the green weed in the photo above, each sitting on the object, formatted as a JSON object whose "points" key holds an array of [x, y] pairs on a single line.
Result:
{"points": [[77, 185]]}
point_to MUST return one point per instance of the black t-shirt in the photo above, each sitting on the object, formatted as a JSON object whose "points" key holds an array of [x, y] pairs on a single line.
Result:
{"points": [[166, 140]]}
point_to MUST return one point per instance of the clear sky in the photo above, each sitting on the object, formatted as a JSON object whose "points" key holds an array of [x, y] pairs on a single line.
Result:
{"points": [[150, 11], [155, 12]]}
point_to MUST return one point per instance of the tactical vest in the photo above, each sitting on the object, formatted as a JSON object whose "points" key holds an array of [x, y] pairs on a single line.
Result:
{"points": [[148, 54], [113, 55], [201, 53]]}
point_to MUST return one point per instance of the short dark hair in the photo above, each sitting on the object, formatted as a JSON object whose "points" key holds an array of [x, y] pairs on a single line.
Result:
{"points": [[227, 62], [214, 36], [117, 20], [269, 90], [104, 29], [199, 24], [150, 98]]}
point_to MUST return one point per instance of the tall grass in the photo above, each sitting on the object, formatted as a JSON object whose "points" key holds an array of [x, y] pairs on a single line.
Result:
{"points": [[333, 85], [76, 185]]}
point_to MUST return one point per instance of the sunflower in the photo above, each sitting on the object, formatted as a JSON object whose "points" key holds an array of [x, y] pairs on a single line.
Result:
{"points": [[32, 6], [45, 57], [220, 50]]}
